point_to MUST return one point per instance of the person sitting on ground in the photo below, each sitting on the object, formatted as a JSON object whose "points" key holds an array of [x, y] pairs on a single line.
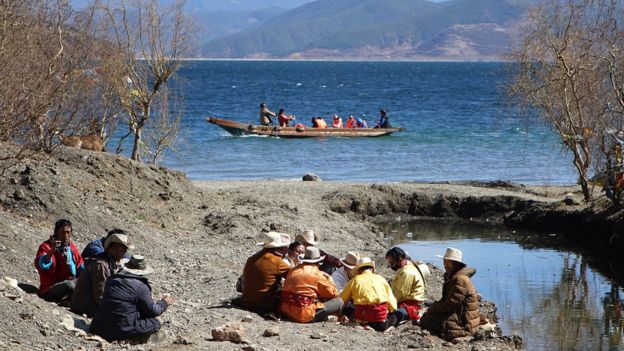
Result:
{"points": [[344, 274], [351, 122], [283, 118], [456, 314], [263, 272], [127, 310], [372, 298], [337, 122], [384, 120], [265, 115], [58, 263], [97, 246], [309, 295], [330, 263], [408, 285], [90, 286], [295, 251], [361, 123]]}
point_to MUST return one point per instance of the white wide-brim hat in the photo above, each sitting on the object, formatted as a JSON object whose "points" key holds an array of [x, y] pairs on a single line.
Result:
{"points": [[121, 239], [312, 255], [350, 259], [274, 240], [452, 254], [364, 262], [136, 265], [308, 237]]}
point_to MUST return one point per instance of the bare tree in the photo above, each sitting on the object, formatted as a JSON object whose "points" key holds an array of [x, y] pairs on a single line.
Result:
{"points": [[567, 69], [151, 41]]}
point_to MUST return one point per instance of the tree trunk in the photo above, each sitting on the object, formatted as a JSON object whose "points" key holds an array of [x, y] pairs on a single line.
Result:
{"points": [[136, 152]]}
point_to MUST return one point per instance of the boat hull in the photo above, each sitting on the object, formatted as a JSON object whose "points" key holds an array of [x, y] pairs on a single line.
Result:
{"points": [[240, 129]]}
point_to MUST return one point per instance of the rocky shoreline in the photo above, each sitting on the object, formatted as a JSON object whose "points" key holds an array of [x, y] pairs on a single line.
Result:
{"points": [[197, 235]]}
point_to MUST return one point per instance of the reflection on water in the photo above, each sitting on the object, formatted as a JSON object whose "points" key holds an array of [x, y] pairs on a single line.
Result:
{"points": [[551, 298]]}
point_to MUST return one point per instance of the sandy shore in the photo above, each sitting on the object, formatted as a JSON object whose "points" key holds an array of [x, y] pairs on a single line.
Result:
{"points": [[197, 235]]}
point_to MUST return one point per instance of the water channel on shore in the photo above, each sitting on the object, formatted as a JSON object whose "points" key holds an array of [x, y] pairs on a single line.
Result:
{"points": [[549, 296]]}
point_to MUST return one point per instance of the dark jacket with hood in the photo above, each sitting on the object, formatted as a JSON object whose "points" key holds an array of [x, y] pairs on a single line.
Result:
{"points": [[127, 310], [458, 310]]}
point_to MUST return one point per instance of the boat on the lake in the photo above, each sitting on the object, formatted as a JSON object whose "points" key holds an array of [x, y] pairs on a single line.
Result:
{"points": [[238, 129]]}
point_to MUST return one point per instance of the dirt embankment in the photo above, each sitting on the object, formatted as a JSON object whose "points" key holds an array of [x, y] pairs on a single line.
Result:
{"points": [[198, 236]]}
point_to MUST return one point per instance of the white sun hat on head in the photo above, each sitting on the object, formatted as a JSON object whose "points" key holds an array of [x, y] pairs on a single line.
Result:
{"points": [[308, 237], [452, 254], [364, 262], [350, 260], [272, 240], [121, 239], [312, 255]]}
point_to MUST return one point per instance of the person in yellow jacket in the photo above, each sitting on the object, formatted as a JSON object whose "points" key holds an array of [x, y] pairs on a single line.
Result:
{"points": [[372, 300], [309, 295], [408, 284]]}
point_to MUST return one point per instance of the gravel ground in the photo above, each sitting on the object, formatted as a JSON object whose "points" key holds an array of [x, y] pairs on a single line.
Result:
{"points": [[197, 236]]}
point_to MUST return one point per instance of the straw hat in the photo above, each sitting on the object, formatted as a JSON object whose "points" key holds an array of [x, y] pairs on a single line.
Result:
{"points": [[312, 255], [136, 265], [118, 239], [308, 237], [423, 269], [452, 254], [274, 240], [350, 260], [364, 262]]}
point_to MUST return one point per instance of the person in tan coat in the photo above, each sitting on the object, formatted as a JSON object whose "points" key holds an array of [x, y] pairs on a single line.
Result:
{"points": [[309, 295], [263, 274], [456, 314]]}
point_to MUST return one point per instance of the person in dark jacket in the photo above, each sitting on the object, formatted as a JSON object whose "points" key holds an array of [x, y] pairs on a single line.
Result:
{"points": [[127, 311], [90, 286], [384, 120], [58, 263], [97, 246], [456, 314]]}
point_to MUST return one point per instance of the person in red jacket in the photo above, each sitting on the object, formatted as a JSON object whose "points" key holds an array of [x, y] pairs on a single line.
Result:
{"points": [[59, 263]]}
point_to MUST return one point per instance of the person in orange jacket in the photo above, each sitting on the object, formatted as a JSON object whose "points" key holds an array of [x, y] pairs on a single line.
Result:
{"points": [[309, 295], [351, 122]]}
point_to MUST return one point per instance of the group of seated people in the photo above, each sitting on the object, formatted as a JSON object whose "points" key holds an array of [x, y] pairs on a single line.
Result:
{"points": [[299, 282], [284, 120], [101, 283]]}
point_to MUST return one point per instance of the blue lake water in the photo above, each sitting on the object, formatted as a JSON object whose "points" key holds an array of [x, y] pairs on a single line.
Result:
{"points": [[552, 298], [458, 124]]}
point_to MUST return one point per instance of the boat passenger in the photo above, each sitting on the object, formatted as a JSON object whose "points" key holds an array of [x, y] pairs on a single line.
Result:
{"points": [[408, 284], [337, 123], [320, 122], [456, 314], [372, 298], [265, 115], [330, 263], [384, 121], [309, 295], [283, 118], [351, 122], [361, 123]]}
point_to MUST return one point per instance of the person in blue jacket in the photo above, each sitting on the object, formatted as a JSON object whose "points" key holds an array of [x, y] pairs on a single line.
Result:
{"points": [[127, 310], [384, 120]]}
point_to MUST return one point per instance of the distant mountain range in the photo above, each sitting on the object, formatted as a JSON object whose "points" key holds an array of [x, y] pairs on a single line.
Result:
{"points": [[363, 29]]}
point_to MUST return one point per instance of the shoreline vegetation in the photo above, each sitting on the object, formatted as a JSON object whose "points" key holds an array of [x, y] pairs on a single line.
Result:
{"points": [[198, 235]]}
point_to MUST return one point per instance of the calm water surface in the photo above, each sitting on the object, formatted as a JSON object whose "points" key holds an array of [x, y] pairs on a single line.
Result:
{"points": [[458, 125], [551, 298]]}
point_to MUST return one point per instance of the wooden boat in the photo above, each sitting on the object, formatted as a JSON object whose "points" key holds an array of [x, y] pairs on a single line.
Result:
{"points": [[238, 129]]}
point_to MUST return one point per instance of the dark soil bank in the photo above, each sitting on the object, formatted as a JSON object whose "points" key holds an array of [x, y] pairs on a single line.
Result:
{"points": [[197, 236]]}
